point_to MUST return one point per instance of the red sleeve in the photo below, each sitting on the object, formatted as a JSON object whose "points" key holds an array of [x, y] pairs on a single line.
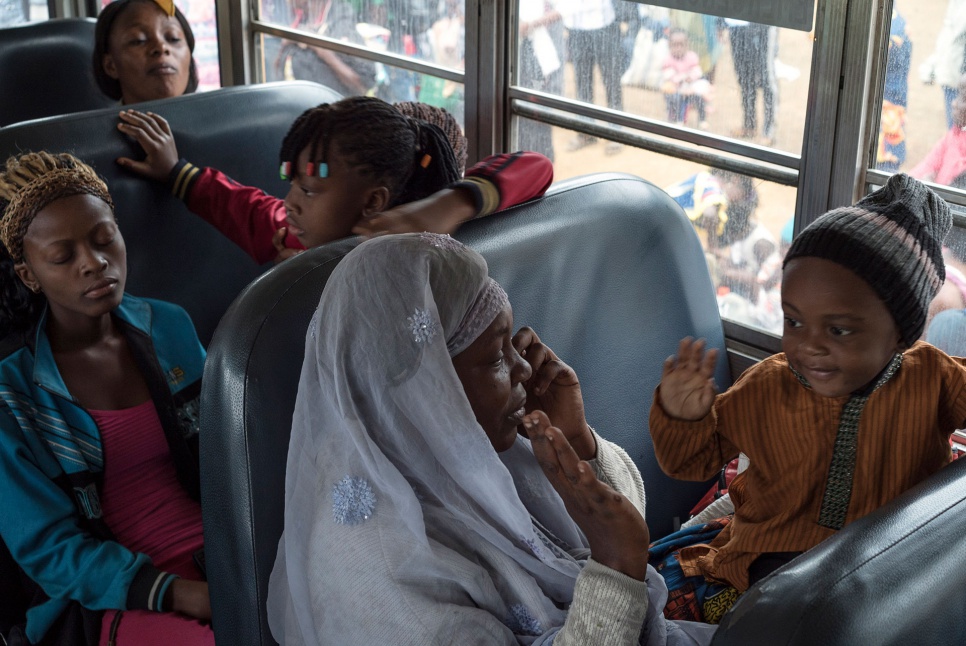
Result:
{"points": [[501, 181], [247, 216]]}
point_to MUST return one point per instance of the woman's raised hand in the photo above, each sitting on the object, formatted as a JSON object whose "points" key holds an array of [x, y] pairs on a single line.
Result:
{"points": [[154, 134], [687, 384], [554, 389], [615, 530]]}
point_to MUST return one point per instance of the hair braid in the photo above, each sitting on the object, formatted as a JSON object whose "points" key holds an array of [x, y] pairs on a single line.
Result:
{"points": [[373, 137], [439, 173], [445, 121]]}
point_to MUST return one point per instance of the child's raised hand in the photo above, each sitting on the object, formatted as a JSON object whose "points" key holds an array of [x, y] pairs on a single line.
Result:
{"points": [[687, 384], [154, 134]]}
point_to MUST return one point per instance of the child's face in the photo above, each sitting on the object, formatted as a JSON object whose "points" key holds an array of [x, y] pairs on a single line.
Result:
{"points": [[678, 45], [838, 332], [319, 210]]}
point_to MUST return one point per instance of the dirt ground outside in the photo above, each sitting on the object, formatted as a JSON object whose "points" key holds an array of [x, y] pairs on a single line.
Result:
{"points": [[925, 123]]}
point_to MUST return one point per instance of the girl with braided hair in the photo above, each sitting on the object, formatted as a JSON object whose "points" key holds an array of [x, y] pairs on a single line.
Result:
{"points": [[98, 426], [358, 165]]}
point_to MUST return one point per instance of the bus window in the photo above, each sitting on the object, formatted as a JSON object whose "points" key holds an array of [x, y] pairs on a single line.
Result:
{"points": [[611, 85], [425, 32], [19, 12], [728, 77], [923, 106]]}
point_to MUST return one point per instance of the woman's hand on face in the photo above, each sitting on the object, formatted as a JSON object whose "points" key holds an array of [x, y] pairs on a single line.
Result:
{"points": [[154, 134], [615, 530], [687, 384], [554, 389], [189, 598]]}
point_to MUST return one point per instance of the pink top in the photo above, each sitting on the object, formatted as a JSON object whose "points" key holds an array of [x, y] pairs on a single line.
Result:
{"points": [[144, 505], [682, 70], [945, 161]]}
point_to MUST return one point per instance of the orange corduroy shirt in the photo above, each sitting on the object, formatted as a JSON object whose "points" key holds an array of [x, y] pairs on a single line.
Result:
{"points": [[788, 433]]}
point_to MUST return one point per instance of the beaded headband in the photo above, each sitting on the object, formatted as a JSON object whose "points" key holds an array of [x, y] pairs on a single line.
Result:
{"points": [[491, 301], [37, 194]]}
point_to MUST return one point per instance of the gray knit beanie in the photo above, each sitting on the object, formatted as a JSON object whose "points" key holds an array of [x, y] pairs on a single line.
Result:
{"points": [[892, 239]]}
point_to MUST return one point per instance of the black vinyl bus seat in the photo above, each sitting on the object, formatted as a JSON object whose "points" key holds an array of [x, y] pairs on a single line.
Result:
{"points": [[606, 268], [893, 578], [45, 70], [173, 254]]}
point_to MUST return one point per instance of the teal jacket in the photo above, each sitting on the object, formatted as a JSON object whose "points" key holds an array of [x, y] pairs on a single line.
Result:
{"points": [[52, 462]]}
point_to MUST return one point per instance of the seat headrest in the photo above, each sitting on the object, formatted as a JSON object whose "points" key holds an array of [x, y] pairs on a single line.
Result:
{"points": [[45, 70]]}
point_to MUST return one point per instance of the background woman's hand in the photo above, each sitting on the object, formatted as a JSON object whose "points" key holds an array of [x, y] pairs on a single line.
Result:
{"points": [[687, 384], [154, 134], [616, 531], [554, 389], [189, 598]]}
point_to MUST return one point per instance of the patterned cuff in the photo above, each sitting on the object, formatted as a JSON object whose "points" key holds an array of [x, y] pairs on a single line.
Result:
{"points": [[486, 196], [182, 177], [148, 588]]}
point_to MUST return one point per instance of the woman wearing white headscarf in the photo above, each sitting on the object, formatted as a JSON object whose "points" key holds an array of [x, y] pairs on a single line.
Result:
{"points": [[403, 525]]}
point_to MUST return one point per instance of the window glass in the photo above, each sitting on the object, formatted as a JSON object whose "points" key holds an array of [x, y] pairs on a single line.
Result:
{"points": [[19, 12], [744, 224], [352, 75], [422, 29], [201, 16], [924, 96], [729, 77]]}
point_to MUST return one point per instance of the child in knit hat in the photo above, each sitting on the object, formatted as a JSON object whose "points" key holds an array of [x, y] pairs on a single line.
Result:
{"points": [[853, 412]]}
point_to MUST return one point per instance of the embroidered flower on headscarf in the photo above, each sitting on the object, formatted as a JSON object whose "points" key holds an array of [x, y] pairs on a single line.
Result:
{"points": [[353, 501], [532, 544], [441, 241], [423, 326], [520, 621]]}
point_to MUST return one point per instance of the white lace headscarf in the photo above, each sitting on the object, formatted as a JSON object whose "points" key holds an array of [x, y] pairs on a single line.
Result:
{"points": [[402, 524]]}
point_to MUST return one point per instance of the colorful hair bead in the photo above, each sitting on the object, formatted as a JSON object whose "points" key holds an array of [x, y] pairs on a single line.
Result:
{"points": [[323, 170], [424, 162], [309, 169], [285, 170]]}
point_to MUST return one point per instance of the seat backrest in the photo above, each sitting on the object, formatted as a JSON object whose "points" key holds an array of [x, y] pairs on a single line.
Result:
{"points": [[173, 254], [606, 268], [45, 70], [892, 578]]}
